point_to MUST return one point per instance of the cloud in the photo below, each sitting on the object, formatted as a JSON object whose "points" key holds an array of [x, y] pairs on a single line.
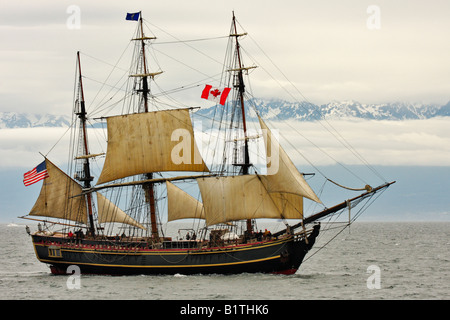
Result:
{"points": [[389, 143], [357, 142], [324, 48], [22, 147], [397, 143]]}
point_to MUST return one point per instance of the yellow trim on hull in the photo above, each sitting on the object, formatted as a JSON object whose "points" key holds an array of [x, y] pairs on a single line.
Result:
{"points": [[170, 251], [162, 266]]}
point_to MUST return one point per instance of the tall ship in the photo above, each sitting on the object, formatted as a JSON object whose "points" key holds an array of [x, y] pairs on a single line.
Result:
{"points": [[112, 223]]}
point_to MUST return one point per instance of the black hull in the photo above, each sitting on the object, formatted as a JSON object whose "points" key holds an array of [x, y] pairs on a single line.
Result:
{"points": [[99, 257]]}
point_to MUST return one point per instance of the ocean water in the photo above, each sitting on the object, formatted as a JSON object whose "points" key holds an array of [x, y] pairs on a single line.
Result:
{"points": [[371, 260]]}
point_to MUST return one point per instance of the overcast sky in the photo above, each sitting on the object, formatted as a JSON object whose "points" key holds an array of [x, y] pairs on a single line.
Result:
{"points": [[369, 51]]}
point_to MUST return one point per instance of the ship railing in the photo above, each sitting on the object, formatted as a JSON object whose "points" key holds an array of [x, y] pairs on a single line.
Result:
{"points": [[302, 234]]}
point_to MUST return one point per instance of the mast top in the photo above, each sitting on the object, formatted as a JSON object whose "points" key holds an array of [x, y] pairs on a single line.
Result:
{"points": [[238, 34], [150, 74], [242, 68], [145, 38]]}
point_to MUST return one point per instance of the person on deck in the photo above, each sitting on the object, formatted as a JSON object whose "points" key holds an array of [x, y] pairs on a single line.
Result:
{"points": [[259, 235]]}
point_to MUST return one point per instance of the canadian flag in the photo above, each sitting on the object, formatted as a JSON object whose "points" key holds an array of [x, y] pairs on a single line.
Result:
{"points": [[215, 94]]}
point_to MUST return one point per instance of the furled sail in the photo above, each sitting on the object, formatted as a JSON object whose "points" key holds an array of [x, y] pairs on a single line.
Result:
{"points": [[60, 197], [245, 197], [282, 175], [181, 205], [109, 212], [150, 142]]}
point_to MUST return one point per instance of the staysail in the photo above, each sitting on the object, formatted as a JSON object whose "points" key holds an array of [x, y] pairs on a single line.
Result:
{"points": [[283, 176], [181, 205], [109, 212], [150, 142], [60, 197]]}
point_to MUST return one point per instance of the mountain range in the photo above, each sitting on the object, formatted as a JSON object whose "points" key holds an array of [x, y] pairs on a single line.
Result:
{"points": [[275, 109], [31, 120]]}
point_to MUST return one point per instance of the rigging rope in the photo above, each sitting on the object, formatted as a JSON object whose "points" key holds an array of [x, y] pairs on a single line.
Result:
{"points": [[366, 187], [367, 204], [335, 133], [185, 43], [192, 40]]}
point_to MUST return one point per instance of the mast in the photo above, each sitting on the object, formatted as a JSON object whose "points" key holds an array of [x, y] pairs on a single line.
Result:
{"points": [[86, 177], [148, 188], [145, 89], [241, 90]]}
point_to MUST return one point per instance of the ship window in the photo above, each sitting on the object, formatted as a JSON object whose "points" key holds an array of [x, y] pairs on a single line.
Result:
{"points": [[54, 252]]}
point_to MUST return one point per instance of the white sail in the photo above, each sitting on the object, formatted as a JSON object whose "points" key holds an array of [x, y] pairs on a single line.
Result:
{"points": [[181, 205], [283, 176], [150, 142], [109, 212], [244, 197], [60, 197]]}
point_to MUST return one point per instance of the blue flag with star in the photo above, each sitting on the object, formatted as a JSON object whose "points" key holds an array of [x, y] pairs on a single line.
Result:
{"points": [[133, 16]]}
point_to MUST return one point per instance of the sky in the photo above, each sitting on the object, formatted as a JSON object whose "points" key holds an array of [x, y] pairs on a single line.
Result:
{"points": [[321, 51], [369, 51]]}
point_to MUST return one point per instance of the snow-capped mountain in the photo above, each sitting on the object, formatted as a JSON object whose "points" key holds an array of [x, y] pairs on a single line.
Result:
{"points": [[305, 111], [28, 120], [275, 109]]}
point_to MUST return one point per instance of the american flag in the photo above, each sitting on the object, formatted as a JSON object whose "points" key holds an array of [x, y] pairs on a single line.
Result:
{"points": [[35, 175]]}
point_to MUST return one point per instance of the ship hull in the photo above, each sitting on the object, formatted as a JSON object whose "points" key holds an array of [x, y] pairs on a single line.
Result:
{"points": [[99, 257]]}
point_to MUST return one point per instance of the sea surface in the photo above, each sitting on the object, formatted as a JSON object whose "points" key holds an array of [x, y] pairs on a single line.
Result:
{"points": [[369, 261]]}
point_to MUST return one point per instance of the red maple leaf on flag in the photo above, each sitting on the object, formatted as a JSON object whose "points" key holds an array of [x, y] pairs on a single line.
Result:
{"points": [[215, 93]]}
